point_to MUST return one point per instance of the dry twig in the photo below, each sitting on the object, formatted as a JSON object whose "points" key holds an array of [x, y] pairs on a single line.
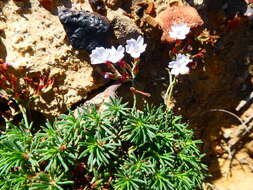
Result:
{"points": [[244, 129], [244, 102]]}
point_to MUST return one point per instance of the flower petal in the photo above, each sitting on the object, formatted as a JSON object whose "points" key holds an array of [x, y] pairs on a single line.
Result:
{"points": [[172, 63], [174, 72], [140, 40], [121, 49], [99, 55], [115, 55], [136, 47], [179, 66], [179, 31], [184, 70]]}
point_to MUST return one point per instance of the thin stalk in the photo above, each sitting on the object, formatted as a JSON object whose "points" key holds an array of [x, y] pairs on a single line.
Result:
{"points": [[169, 90], [135, 65], [24, 114], [134, 96], [114, 69], [133, 77]]}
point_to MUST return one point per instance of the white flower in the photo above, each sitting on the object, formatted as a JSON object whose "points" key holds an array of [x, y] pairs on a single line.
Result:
{"points": [[179, 66], [115, 55], [179, 31], [106, 75], [249, 12], [136, 47], [15, 65], [99, 55]]}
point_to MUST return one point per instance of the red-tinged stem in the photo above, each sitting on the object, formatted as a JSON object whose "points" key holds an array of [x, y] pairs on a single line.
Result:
{"points": [[112, 67], [125, 67], [199, 54], [135, 68], [178, 42], [134, 90]]}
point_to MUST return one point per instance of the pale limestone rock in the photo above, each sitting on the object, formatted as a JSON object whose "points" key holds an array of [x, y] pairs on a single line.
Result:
{"points": [[249, 148], [113, 3], [35, 37], [100, 99]]}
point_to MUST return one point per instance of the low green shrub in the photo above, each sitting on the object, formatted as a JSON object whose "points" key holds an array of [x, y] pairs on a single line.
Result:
{"points": [[120, 148]]}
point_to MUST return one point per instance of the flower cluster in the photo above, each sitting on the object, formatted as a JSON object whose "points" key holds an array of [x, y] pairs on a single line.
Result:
{"points": [[113, 58], [179, 66], [185, 48], [103, 55]]}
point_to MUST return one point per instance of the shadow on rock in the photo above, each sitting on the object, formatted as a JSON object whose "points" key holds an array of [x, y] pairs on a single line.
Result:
{"points": [[3, 51]]}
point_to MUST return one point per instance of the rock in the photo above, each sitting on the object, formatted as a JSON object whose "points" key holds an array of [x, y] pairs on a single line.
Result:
{"points": [[113, 4], [197, 3], [227, 133], [3, 52], [98, 6], [123, 27], [36, 38], [162, 5], [47, 4], [85, 30], [100, 99], [235, 7], [249, 148], [177, 15]]}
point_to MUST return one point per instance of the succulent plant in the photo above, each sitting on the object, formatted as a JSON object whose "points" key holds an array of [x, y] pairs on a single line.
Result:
{"points": [[120, 148]]}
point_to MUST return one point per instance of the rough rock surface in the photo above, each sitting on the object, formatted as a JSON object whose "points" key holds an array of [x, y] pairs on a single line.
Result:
{"points": [[34, 36], [113, 3], [162, 5], [124, 28], [85, 30]]}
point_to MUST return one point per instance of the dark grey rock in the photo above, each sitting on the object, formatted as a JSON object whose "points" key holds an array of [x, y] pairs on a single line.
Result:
{"points": [[235, 7], [85, 30]]}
